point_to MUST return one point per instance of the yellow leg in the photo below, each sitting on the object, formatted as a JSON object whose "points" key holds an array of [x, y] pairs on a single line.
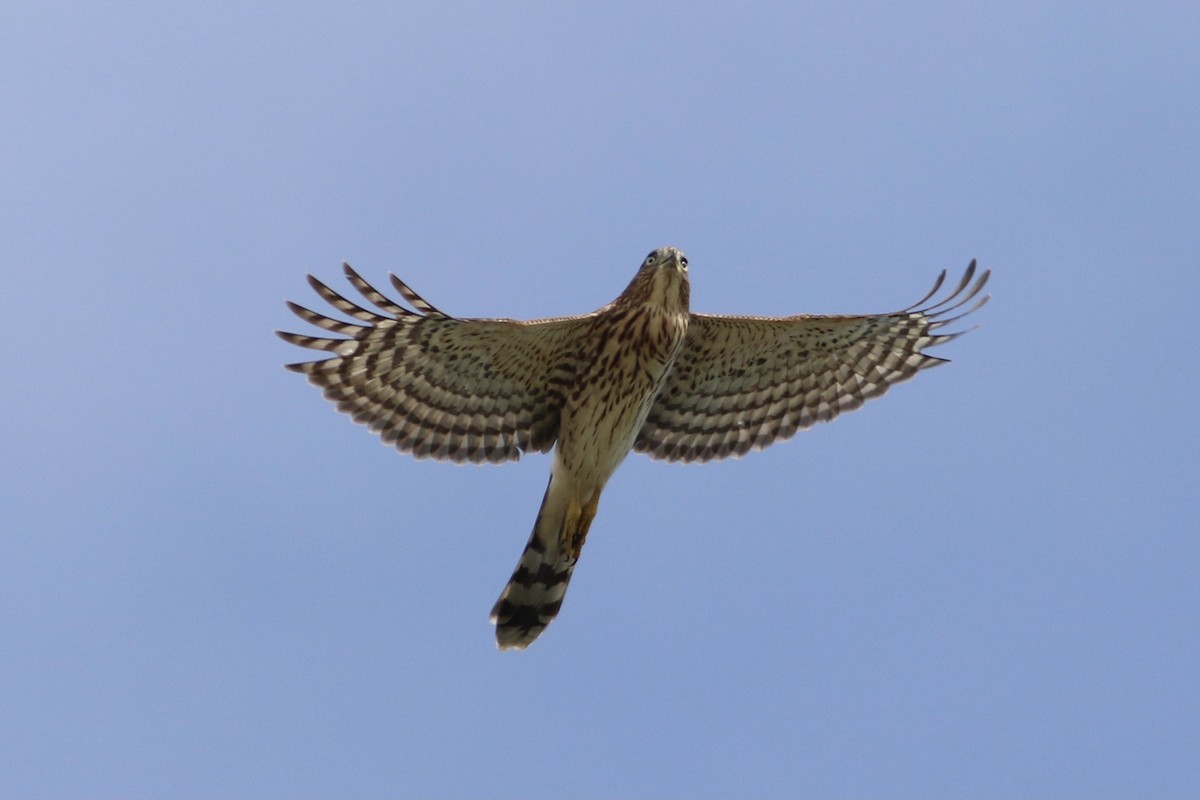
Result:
{"points": [[576, 524], [570, 524]]}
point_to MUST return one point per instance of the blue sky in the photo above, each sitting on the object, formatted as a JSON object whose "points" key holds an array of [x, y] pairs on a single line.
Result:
{"points": [[984, 584]]}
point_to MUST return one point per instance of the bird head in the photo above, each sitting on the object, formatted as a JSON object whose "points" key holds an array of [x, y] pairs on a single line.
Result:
{"points": [[662, 281]]}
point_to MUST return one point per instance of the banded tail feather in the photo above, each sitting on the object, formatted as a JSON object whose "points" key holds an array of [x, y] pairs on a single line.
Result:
{"points": [[535, 592]]}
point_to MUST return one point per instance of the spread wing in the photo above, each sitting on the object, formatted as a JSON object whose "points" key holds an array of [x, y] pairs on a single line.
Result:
{"points": [[741, 383], [436, 386]]}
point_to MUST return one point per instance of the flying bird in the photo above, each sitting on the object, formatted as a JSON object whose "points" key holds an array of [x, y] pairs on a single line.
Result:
{"points": [[643, 373]]}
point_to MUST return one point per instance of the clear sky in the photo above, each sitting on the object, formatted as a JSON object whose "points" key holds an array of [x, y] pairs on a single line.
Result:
{"points": [[983, 585]]}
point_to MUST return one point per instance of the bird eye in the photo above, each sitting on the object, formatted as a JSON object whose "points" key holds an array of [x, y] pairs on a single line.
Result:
{"points": [[683, 261], [649, 259]]}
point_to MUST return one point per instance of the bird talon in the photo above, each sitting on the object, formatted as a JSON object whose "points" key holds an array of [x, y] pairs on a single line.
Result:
{"points": [[576, 523]]}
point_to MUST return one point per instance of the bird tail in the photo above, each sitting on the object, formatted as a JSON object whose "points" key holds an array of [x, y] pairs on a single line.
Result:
{"points": [[535, 591]]}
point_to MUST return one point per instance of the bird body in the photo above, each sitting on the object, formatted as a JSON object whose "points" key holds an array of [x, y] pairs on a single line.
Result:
{"points": [[625, 358], [642, 374]]}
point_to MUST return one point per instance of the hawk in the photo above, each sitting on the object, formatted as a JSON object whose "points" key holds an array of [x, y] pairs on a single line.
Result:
{"points": [[643, 373]]}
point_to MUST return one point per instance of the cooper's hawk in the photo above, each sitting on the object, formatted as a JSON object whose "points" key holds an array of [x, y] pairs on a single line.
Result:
{"points": [[641, 373]]}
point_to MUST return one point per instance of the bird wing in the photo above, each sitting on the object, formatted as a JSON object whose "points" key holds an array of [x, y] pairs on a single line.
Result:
{"points": [[741, 383], [464, 390]]}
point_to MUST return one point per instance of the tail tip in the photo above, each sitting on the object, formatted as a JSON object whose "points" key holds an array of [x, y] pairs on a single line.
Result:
{"points": [[518, 626]]}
